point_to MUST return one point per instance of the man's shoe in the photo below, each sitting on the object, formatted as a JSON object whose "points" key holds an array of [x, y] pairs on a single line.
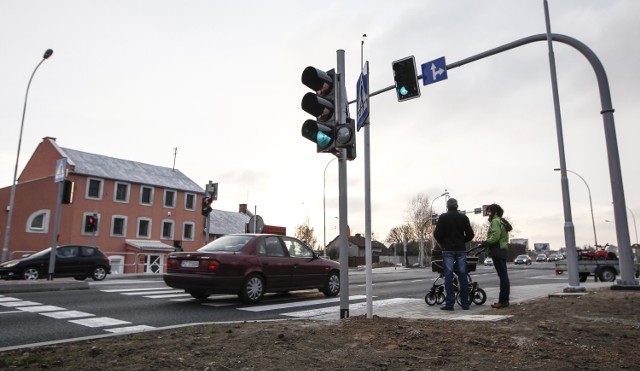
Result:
{"points": [[499, 305], [465, 308], [444, 307]]}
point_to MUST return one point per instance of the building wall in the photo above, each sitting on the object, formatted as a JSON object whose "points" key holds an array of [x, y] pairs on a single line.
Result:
{"points": [[36, 191]]}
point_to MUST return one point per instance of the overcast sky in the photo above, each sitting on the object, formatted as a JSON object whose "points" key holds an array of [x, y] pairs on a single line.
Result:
{"points": [[220, 80]]}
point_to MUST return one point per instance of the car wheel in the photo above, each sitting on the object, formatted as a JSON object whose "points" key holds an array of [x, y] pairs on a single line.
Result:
{"points": [[607, 275], [31, 273], [252, 289], [200, 295], [80, 278], [332, 287], [99, 273]]}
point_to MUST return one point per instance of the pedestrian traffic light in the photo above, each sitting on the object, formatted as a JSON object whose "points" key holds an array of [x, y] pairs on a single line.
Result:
{"points": [[321, 105], [346, 138], [404, 75], [92, 223], [206, 205]]}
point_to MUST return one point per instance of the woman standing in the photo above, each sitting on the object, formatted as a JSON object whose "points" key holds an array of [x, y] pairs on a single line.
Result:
{"points": [[497, 241]]}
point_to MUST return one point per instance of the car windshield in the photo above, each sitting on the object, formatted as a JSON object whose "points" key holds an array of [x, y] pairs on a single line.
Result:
{"points": [[41, 253], [227, 243], [522, 257]]}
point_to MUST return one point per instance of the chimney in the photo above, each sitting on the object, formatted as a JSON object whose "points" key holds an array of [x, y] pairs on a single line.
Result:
{"points": [[243, 209]]}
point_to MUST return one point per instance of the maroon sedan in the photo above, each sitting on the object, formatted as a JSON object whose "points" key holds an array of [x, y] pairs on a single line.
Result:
{"points": [[250, 265]]}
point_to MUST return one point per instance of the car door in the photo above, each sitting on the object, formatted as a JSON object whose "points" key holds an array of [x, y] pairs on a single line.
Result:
{"points": [[275, 263], [68, 261], [307, 270]]}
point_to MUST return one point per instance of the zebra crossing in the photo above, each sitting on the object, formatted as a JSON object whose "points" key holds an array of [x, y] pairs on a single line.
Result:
{"points": [[108, 324]]}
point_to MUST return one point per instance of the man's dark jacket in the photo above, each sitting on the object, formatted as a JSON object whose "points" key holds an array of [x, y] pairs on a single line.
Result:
{"points": [[453, 231]]}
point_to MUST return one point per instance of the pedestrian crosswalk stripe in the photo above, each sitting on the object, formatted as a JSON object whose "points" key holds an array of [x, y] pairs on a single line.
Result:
{"points": [[99, 322], [41, 308], [304, 303], [67, 314]]}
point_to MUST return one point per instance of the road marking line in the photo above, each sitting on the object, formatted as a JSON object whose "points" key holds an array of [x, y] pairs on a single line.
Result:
{"points": [[7, 298], [20, 303], [122, 330], [143, 289], [99, 322], [153, 292], [67, 314], [41, 308], [306, 303], [176, 295]]}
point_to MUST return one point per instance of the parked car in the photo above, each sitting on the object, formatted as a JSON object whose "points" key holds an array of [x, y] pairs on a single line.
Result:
{"points": [[522, 259], [541, 258], [77, 261], [488, 261], [250, 265]]}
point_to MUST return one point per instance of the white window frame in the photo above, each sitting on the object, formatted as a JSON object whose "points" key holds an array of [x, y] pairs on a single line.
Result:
{"points": [[46, 216], [173, 227], [195, 200], [115, 192], [148, 235], [150, 197], [124, 226], [100, 190], [193, 231], [164, 199]]}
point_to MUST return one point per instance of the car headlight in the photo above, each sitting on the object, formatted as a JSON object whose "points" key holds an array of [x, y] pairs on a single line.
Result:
{"points": [[9, 264]]}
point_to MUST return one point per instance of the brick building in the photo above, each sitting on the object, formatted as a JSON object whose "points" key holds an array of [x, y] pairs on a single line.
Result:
{"points": [[144, 211]]}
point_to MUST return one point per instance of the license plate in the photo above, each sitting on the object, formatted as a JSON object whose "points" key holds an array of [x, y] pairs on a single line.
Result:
{"points": [[189, 264]]}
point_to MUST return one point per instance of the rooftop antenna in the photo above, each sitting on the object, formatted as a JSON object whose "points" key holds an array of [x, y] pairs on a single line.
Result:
{"points": [[175, 153]]}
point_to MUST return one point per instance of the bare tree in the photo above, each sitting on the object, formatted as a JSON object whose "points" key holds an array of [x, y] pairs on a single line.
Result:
{"points": [[306, 234], [418, 217]]}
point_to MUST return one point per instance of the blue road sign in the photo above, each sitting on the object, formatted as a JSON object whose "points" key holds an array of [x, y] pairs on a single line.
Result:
{"points": [[434, 71], [61, 170], [362, 101]]}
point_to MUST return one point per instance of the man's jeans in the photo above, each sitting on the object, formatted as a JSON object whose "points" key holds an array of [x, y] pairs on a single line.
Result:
{"points": [[448, 259]]}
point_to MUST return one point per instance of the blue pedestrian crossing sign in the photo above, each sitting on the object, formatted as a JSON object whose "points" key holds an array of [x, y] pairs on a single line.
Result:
{"points": [[362, 99], [61, 170], [434, 71]]}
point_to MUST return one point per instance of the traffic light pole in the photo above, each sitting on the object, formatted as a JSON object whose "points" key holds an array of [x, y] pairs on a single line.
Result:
{"points": [[56, 227], [341, 119]]}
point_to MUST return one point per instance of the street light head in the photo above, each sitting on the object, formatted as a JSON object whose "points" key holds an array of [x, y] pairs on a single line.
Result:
{"points": [[47, 54]]}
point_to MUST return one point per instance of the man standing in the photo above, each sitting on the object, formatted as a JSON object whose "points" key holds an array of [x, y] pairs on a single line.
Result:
{"points": [[452, 232]]}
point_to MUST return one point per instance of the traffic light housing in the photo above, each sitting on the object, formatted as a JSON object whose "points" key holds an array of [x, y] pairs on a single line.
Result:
{"points": [[406, 79], [346, 137], [206, 205], [92, 223], [67, 192], [322, 105]]}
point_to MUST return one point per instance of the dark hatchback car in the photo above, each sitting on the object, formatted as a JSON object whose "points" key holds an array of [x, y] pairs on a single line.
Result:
{"points": [[76, 261], [250, 265]]}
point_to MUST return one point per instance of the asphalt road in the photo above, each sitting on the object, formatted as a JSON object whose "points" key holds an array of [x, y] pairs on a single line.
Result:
{"points": [[144, 303]]}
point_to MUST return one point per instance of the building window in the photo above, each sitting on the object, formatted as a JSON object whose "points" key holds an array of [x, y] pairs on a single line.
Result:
{"points": [[118, 226], [167, 230], [146, 195], [169, 198], [85, 224], [38, 222], [144, 228], [121, 192], [94, 188], [190, 201], [187, 231]]}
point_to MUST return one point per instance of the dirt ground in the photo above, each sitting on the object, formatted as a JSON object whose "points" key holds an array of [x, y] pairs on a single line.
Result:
{"points": [[597, 331]]}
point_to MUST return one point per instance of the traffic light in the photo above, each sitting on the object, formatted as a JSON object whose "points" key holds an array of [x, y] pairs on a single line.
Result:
{"points": [[321, 105], [404, 74], [92, 223], [346, 138], [206, 205], [67, 192]]}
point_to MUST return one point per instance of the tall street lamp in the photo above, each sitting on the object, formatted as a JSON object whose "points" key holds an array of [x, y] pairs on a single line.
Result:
{"points": [[590, 203], [634, 224], [5, 246], [324, 207]]}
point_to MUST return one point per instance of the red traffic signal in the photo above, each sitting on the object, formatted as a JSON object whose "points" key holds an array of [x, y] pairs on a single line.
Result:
{"points": [[92, 223], [206, 205]]}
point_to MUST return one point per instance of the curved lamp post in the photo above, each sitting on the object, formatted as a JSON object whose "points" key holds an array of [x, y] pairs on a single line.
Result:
{"points": [[590, 203], [5, 246]]}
